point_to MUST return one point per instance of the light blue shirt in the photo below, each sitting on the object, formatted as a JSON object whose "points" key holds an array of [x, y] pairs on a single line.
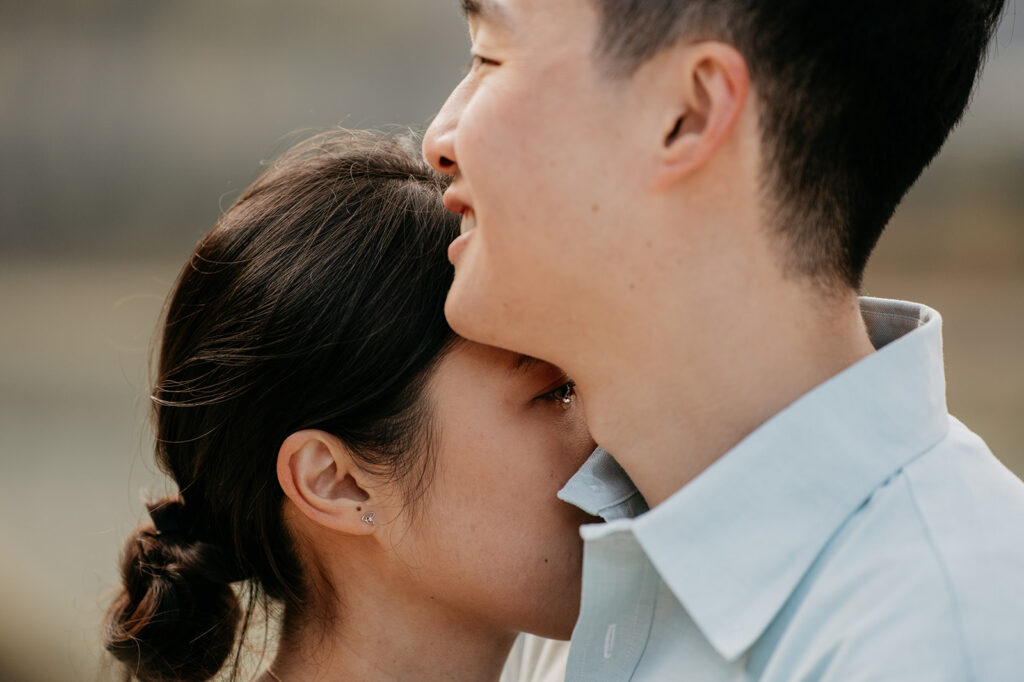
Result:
{"points": [[860, 534]]}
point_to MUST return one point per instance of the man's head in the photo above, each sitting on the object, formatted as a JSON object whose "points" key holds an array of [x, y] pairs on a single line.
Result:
{"points": [[598, 145], [854, 100]]}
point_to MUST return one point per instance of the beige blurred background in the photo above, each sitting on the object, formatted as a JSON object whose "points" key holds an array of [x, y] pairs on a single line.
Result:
{"points": [[125, 126]]}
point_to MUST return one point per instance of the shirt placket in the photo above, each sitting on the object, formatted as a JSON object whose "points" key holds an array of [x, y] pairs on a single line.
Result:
{"points": [[620, 589]]}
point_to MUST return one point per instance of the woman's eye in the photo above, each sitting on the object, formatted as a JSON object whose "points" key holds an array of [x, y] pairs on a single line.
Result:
{"points": [[563, 395]]}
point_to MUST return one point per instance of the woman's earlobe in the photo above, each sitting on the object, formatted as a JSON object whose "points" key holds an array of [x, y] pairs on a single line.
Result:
{"points": [[317, 473]]}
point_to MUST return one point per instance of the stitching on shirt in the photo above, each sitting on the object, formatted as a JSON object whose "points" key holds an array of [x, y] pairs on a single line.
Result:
{"points": [[899, 316], [968, 663], [619, 500], [652, 574]]}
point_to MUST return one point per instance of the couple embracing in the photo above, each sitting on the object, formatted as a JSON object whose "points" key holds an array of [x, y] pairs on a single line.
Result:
{"points": [[659, 214]]}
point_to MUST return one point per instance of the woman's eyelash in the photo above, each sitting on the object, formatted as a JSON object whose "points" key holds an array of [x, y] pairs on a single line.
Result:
{"points": [[564, 394]]}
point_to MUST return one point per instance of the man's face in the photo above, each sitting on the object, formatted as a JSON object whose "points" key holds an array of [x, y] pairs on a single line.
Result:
{"points": [[538, 138]]}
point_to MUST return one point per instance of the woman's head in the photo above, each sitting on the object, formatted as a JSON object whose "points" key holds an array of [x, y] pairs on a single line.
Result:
{"points": [[301, 350]]}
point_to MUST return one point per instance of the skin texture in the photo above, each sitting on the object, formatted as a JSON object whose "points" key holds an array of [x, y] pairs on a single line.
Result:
{"points": [[618, 228], [440, 584]]}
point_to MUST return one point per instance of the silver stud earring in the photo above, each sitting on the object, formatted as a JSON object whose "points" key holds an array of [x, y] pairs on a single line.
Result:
{"points": [[368, 518]]}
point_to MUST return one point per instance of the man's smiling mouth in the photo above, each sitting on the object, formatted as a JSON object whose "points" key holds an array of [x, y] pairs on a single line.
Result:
{"points": [[468, 223], [466, 229]]}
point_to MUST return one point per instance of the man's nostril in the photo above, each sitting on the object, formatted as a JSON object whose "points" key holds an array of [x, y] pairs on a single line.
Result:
{"points": [[446, 162]]}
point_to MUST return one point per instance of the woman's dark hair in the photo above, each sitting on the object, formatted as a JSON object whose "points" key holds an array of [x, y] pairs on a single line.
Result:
{"points": [[315, 302]]}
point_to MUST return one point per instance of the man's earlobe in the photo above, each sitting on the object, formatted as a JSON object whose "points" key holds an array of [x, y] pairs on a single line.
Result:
{"points": [[317, 473], [672, 134]]}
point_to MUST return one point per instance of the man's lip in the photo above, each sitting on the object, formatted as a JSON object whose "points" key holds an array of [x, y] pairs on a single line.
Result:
{"points": [[458, 245], [453, 202]]}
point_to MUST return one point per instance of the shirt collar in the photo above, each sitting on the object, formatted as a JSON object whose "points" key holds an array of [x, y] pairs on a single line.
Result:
{"points": [[602, 488], [733, 544]]}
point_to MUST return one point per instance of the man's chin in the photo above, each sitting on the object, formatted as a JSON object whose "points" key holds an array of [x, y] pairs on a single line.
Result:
{"points": [[477, 308], [462, 309]]}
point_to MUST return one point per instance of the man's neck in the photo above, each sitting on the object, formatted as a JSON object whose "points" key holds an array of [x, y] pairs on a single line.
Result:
{"points": [[671, 396]]}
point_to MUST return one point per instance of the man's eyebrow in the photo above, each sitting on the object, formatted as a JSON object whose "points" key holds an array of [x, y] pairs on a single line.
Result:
{"points": [[522, 363]]}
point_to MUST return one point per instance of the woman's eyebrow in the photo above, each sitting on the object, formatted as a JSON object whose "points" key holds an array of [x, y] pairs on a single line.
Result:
{"points": [[523, 363]]}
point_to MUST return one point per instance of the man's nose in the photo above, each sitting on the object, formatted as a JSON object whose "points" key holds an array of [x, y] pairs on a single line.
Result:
{"points": [[439, 142]]}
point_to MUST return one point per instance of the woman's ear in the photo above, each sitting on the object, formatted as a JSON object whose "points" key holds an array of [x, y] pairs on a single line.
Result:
{"points": [[706, 85], [318, 474]]}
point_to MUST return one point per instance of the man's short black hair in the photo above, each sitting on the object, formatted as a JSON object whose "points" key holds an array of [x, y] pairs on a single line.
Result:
{"points": [[856, 98]]}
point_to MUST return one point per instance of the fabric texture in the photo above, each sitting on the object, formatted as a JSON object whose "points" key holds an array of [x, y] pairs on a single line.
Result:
{"points": [[860, 534], [535, 659]]}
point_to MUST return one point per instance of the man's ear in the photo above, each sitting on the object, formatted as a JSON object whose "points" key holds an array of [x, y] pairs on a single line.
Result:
{"points": [[318, 474], [706, 85]]}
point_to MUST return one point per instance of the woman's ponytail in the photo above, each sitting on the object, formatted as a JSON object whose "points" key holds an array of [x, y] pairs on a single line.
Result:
{"points": [[177, 616]]}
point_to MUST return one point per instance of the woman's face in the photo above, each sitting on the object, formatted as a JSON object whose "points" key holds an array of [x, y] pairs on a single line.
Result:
{"points": [[489, 540]]}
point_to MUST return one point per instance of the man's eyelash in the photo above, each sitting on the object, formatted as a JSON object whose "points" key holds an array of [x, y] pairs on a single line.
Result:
{"points": [[477, 60]]}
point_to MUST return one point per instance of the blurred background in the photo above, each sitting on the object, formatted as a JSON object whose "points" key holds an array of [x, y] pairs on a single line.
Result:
{"points": [[126, 126]]}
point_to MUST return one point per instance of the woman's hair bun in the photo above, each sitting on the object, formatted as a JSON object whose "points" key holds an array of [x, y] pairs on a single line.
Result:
{"points": [[170, 519], [177, 616]]}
